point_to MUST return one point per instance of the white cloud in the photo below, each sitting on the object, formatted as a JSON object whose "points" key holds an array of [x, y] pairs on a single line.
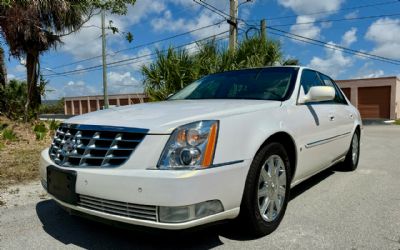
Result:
{"points": [[368, 71], [10, 76], [334, 63], [307, 30], [349, 37], [304, 7], [311, 6], [123, 83], [71, 88], [205, 18], [385, 33], [373, 74], [86, 43], [353, 14]]}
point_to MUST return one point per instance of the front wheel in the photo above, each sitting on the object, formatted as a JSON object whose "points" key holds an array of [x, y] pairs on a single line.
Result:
{"points": [[353, 155], [267, 190]]}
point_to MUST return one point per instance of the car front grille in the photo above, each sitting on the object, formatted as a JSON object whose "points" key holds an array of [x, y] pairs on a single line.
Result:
{"points": [[77, 145], [142, 212]]}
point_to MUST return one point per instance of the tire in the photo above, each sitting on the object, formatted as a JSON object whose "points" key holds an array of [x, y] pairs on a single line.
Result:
{"points": [[353, 155], [261, 182]]}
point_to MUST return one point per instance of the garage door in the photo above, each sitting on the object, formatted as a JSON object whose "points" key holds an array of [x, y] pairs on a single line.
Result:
{"points": [[374, 102]]}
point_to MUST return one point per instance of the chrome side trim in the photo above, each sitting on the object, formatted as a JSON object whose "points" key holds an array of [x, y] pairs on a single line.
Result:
{"points": [[323, 141], [226, 163]]}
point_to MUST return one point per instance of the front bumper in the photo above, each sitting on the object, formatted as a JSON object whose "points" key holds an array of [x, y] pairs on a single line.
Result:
{"points": [[170, 188]]}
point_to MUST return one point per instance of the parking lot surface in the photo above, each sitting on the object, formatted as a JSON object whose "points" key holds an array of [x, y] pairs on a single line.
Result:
{"points": [[332, 210]]}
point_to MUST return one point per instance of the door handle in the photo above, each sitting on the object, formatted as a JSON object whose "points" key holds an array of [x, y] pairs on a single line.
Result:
{"points": [[331, 117]]}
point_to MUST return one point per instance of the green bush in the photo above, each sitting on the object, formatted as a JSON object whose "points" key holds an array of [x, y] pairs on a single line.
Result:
{"points": [[14, 95], [40, 130], [54, 125], [9, 134]]}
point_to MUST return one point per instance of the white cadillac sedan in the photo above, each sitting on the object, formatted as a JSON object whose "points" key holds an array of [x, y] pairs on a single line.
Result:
{"points": [[230, 145]]}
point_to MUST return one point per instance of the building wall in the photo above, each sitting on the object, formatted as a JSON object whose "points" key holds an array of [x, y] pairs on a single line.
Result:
{"points": [[393, 82], [84, 104], [397, 101]]}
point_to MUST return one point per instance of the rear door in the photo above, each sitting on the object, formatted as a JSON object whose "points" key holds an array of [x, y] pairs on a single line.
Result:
{"points": [[343, 119]]}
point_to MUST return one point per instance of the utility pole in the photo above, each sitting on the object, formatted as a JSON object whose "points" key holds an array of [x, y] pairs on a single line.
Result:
{"points": [[233, 12], [103, 52], [263, 28]]}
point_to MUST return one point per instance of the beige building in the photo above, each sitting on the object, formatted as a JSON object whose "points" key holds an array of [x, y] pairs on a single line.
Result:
{"points": [[374, 97], [84, 104]]}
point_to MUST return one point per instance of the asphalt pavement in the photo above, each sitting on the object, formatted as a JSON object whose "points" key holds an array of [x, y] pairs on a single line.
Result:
{"points": [[333, 210]]}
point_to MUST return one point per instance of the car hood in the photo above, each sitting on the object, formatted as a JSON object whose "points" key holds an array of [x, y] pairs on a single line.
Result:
{"points": [[164, 117]]}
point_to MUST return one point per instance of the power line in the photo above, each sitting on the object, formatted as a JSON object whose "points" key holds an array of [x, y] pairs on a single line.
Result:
{"points": [[333, 11], [336, 20], [212, 8], [135, 62], [118, 63], [333, 46], [141, 45]]}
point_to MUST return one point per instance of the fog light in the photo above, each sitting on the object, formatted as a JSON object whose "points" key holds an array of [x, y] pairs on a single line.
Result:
{"points": [[190, 212]]}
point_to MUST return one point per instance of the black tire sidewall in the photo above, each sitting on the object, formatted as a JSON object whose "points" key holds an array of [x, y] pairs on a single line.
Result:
{"points": [[249, 208], [349, 157]]}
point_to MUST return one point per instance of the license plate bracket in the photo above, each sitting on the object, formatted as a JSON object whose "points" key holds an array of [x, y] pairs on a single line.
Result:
{"points": [[61, 184]]}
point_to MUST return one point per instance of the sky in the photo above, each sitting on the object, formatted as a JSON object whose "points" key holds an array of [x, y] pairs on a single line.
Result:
{"points": [[370, 26]]}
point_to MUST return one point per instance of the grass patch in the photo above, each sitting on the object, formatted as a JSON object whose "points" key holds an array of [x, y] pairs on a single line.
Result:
{"points": [[40, 131], [397, 122], [9, 134], [19, 158]]}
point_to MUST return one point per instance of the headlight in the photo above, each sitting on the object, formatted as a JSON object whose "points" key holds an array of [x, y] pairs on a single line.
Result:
{"points": [[190, 146]]}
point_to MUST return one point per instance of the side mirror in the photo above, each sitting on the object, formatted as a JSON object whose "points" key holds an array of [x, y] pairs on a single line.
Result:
{"points": [[319, 94]]}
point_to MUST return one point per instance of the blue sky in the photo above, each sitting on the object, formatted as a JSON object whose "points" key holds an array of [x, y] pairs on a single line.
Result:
{"points": [[153, 20]]}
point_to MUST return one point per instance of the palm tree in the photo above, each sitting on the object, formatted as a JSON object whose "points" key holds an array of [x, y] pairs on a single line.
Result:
{"points": [[31, 27], [3, 79], [172, 71], [253, 52]]}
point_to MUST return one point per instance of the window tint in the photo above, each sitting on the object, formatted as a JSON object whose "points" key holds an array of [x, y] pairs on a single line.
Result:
{"points": [[338, 94], [275, 83], [310, 79]]}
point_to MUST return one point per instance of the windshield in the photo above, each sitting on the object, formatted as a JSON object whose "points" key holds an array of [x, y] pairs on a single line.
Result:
{"points": [[275, 83]]}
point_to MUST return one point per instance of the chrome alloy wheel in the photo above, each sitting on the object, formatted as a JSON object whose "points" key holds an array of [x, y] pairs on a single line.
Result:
{"points": [[355, 148], [271, 188]]}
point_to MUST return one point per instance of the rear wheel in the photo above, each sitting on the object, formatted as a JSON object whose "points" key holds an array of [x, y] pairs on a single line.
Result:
{"points": [[353, 155], [267, 189]]}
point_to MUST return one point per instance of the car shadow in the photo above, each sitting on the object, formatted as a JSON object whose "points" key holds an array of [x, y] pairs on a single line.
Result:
{"points": [[89, 234]]}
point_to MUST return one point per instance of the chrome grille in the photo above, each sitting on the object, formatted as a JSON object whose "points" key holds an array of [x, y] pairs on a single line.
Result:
{"points": [[94, 146], [125, 209]]}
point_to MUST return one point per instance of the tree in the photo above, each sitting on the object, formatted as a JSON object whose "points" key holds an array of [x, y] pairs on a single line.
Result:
{"points": [[3, 79], [31, 27], [175, 69], [15, 95], [170, 73]]}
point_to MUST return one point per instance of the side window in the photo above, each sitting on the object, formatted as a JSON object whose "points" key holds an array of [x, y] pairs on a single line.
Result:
{"points": [[338, 94], [309, 78]]}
